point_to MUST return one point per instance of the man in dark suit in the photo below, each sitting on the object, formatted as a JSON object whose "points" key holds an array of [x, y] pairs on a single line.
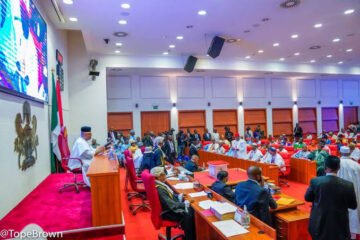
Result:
{"points": [[220, 186], [169, 149], [193, 150], [331, 198], [193, 164], [253, 194], [172, 207], [207, 135]]}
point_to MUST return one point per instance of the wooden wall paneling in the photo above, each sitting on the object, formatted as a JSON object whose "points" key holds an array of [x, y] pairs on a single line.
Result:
{"points": [[307, 120], [254, 117], [155, 121], [120, 121], [282, 121], [222, 118], [193, 120], [350, 116], [330, 119]]}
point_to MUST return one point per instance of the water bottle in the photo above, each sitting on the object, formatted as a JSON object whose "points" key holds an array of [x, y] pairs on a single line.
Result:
{"points": [[245, 218], [187, 205]]}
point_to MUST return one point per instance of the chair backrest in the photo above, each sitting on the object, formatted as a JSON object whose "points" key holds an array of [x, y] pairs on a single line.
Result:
{"points": [[287, 161], [127, 153], [334, 149], [153, 198], [248, 148], [130, 168], [64, 151]]}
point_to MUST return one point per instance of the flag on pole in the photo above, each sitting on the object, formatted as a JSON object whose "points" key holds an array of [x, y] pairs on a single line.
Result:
{"points": [[56, 122]]}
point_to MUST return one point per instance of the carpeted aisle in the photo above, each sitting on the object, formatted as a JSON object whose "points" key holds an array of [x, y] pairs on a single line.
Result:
{"points": [[297, 190]]}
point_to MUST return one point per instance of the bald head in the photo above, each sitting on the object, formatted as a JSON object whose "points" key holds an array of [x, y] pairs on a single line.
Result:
{"points": [[254, 173]]}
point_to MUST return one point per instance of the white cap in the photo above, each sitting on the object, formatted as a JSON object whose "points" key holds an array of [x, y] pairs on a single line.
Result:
{"points": [[157, 171], [345, 149]]}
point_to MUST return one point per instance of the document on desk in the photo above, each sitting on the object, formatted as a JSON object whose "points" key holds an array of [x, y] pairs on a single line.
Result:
{"points": [[189, 185], [173, 178], [285, 201], [230, 228], [197, 194], [222, 208], [206, 204]]}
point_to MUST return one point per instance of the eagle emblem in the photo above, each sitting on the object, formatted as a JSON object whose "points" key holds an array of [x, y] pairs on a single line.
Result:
{"points": [[27, 140]]}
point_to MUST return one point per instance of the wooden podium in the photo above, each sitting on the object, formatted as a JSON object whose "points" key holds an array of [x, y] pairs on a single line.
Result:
{"points": [[104, 177]]}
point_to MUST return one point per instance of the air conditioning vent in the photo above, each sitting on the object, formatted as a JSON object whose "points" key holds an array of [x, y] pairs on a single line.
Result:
{"points": [[58, 11]]}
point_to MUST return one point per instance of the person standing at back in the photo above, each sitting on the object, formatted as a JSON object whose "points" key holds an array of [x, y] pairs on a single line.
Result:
{"points": [[331, 198]]}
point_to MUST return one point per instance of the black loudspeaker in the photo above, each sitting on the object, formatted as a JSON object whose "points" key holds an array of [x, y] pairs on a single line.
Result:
{"points": [[190, 64], [215, 47]]}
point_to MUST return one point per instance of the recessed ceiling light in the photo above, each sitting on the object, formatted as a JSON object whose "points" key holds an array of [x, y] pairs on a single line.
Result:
{"points": [[122, 22], [341, 62], [349, 50], [172, 46], [294, 36], [68, 1], [313, 60], [314, 47], [118, 44], [349, 11], [120, 34], [282, 59], [179, 37], [318, 25], [231, 40], [261, 51], [117, 51], [297, 54], [276, 44], [125, 6], [336, 40], [73, 19], [165, 53], [248, 57], [202, 12], [329, 56]]}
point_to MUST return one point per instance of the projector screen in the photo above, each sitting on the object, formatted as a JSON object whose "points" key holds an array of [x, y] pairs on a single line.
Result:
{"points": [[23, 50]]}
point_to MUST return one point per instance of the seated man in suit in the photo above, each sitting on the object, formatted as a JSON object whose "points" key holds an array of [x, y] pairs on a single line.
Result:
{"points": [[253, 194], [220, 186], [193, 150], [193, 164], [331, 198], [172, 207]]}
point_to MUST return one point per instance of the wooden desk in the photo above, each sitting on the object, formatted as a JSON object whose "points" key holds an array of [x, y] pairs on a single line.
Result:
{"points": [[302, 170], [104, 177], [269, 170], [292, 225], [206, 231], [239, 175]]}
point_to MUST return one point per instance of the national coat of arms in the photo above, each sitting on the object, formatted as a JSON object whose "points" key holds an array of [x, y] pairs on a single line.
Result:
{"points": [[27, 140]]}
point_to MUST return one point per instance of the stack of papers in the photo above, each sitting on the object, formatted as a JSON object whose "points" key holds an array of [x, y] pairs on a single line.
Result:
{"points": [[223, 208], [285, 201], [206, 204], [230, 228], [173, 178], [189, 185], [197, 194]]}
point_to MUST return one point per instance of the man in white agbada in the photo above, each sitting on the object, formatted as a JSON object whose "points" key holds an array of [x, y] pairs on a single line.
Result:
{"points": [[238, 147], [272, 157], [254, 154], [83, 150], [354, 152], [350, 170]]}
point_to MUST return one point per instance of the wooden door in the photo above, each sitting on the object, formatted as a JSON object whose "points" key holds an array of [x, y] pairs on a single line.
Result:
{"points": [[193, 120], [330, 119], [222, 118], [307, 120], [155, 121], [350, 116], [282, 121], [254, 117], [120, 121]]}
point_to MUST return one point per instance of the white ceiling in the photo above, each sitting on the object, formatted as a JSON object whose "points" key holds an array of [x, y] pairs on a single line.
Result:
{"points": [[154, 24]]}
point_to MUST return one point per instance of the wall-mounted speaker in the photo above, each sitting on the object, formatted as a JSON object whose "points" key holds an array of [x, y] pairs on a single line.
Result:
{"points": [[215, 47], [190, 64]]}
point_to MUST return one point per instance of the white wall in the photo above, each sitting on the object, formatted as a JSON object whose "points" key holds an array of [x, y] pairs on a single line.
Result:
{"points": [[194, 92], [16, 184]]}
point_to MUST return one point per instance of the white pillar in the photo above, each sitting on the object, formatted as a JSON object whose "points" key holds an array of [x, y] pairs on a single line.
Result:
{"points": [[137, 122], [209, 119], [241, 120], [319, 119], [269, 122], [341, 116], [295, 111], [174, 119]]}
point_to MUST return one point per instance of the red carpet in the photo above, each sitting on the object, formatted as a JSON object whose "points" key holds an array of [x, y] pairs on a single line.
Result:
{"points": [[55, 211]]}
